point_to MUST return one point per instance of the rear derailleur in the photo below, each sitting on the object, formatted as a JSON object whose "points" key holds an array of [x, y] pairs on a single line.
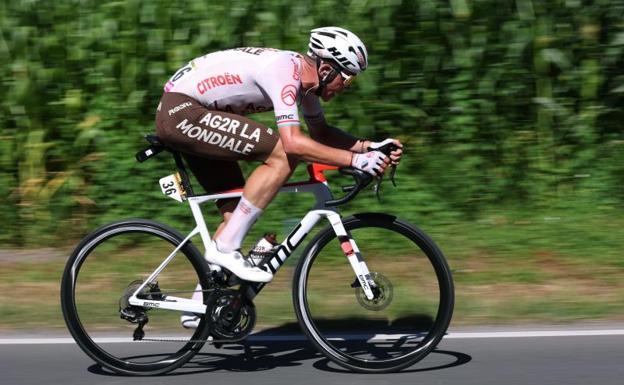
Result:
{"points": [[137, 314]]}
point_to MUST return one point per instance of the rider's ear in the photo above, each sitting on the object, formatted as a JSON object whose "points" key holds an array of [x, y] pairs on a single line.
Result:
{"points": [[324, 70]]}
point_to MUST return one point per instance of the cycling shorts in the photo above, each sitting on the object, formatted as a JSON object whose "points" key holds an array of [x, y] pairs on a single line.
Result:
{"points": [[212, 141], [189, 127]]}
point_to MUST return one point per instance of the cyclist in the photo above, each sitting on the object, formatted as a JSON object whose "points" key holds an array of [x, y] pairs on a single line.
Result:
{"points": [[201, 114]]}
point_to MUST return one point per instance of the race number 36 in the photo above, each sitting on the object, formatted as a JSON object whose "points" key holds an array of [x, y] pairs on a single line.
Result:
{"points": [[170, 186]]}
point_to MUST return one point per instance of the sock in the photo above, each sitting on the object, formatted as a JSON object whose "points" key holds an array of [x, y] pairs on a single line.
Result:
{"points": [[244, 215]]}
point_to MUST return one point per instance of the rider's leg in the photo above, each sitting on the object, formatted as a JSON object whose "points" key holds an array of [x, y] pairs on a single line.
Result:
{"points": [[185, 125], [266, 180], [214, 176], [226, 209], [261, 187]]}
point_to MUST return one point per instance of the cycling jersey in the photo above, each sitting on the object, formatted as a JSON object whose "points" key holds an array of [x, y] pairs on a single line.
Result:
{"points": [[247, 80]]}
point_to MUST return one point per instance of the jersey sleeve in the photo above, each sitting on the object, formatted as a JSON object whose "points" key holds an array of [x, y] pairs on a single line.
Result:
{"points": [[312, 111], [281, 80]]}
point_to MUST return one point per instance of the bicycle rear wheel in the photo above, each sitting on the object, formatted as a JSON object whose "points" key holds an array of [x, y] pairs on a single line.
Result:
{"points": [[104, 270], [408, 317]]}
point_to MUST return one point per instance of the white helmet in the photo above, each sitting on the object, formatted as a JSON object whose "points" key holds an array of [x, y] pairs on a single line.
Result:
{"points": [[341, 46]]}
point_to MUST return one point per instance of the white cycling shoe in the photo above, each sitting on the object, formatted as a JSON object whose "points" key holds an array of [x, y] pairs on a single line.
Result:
{"points": [[237, 264], [189, 320]]}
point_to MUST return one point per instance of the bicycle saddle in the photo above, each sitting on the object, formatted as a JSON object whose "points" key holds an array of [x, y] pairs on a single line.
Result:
{"points": [[155, 148]]}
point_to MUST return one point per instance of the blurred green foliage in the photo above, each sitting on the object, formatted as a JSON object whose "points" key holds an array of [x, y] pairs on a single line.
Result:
{"points": [[501, 103]]}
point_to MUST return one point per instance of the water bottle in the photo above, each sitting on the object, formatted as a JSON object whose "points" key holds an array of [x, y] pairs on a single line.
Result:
{"points": [[263, 250]]}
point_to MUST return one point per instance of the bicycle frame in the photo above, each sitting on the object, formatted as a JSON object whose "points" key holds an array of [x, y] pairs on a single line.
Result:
{"points": [[317, 185]]}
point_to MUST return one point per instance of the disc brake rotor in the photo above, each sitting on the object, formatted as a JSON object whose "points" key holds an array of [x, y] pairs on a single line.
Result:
{"points": [[382, 291]]}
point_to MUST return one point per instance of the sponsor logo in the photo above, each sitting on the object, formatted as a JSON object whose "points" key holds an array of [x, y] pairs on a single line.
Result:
{"points": [[363, 282], [218, 81], [151, 304], [254, 51], [180, 107], [239, 109], [251, 108], [289, 94], [282, 253], [338, 56], [285, 119], [229, 139]]}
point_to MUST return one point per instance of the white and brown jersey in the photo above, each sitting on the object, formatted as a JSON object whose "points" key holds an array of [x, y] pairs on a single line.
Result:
{"points": [[247, 80]]}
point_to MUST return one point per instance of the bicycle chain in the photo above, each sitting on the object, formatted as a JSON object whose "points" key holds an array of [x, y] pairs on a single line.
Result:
{"points": [[208, 340]]}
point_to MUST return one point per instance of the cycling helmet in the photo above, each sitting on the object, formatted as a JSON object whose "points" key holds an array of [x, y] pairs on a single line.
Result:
{"points": [[341, 46]]}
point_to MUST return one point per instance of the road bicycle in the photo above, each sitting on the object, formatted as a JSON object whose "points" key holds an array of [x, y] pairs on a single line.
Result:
{"points": [[376, 305]]}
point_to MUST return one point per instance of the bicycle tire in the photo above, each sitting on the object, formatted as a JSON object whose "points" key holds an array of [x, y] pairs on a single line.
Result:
{"points": [[86, 341], [338, 349]]}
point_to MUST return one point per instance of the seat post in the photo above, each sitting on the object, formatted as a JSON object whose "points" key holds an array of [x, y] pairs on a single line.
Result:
{"points": [[186, 183]]}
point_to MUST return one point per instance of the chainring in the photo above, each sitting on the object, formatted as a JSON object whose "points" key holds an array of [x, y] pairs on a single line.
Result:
{"points": [[383, 293], [230, 315]]}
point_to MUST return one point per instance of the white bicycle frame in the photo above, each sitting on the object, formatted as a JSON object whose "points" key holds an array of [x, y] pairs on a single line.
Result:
{"points": [[316, 186]]}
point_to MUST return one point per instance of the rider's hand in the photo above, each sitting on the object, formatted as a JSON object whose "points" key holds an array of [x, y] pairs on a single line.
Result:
{"points": [[373, 162], [395, 156]]}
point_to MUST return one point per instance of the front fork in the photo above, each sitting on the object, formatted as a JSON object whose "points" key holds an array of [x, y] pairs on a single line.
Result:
{"points": [[353, 254]]}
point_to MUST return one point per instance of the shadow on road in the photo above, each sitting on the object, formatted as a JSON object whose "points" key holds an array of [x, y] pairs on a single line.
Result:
{"points": [[261, 352]]}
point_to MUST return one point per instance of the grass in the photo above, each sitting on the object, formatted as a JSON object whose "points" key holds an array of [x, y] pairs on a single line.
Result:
{"points": [[506, 270]]}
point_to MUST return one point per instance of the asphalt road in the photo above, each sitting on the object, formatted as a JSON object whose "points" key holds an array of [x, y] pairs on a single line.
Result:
{"points": [[465, 357]]}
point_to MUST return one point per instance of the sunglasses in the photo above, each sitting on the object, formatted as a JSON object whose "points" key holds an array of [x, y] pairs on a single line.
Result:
{"points": [[346, 78]]}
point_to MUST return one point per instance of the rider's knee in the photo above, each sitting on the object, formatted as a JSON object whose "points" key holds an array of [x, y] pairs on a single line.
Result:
{"points": [[279, 159]]}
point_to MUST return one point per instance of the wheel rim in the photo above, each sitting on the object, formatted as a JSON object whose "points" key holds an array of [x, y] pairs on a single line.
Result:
{"points": [[96, 278], [402, 331]]}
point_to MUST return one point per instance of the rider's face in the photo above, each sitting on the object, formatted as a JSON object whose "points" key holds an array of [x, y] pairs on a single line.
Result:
{"points": [[336, 86], [333, 88]]}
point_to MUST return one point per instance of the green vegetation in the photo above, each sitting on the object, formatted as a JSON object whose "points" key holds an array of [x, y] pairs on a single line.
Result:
{"points": [[511, 112], [505, 272]]}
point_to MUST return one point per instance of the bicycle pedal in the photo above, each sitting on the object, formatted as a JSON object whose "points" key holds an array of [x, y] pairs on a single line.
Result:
{"points": [[233, 280]]}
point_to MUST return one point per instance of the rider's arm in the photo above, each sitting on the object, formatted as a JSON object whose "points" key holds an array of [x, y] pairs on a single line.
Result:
{"points": [[335, 137], [280, 80], [298, 144], [332, 136], [326, 134]]}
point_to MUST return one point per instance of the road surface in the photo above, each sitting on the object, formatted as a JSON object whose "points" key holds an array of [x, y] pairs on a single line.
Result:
{"points": [[542, 355]]}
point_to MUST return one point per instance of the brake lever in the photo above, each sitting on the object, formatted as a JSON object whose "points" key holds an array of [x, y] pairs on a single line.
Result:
{"points": [[386, 149], [377, 187]]}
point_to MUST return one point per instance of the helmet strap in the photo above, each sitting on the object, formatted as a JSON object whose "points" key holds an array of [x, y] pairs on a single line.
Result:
{"points": [[325, 79]]}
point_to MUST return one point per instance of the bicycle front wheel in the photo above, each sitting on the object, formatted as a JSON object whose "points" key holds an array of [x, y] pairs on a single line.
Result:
{"points": [[413, 301], [107, 267]]}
